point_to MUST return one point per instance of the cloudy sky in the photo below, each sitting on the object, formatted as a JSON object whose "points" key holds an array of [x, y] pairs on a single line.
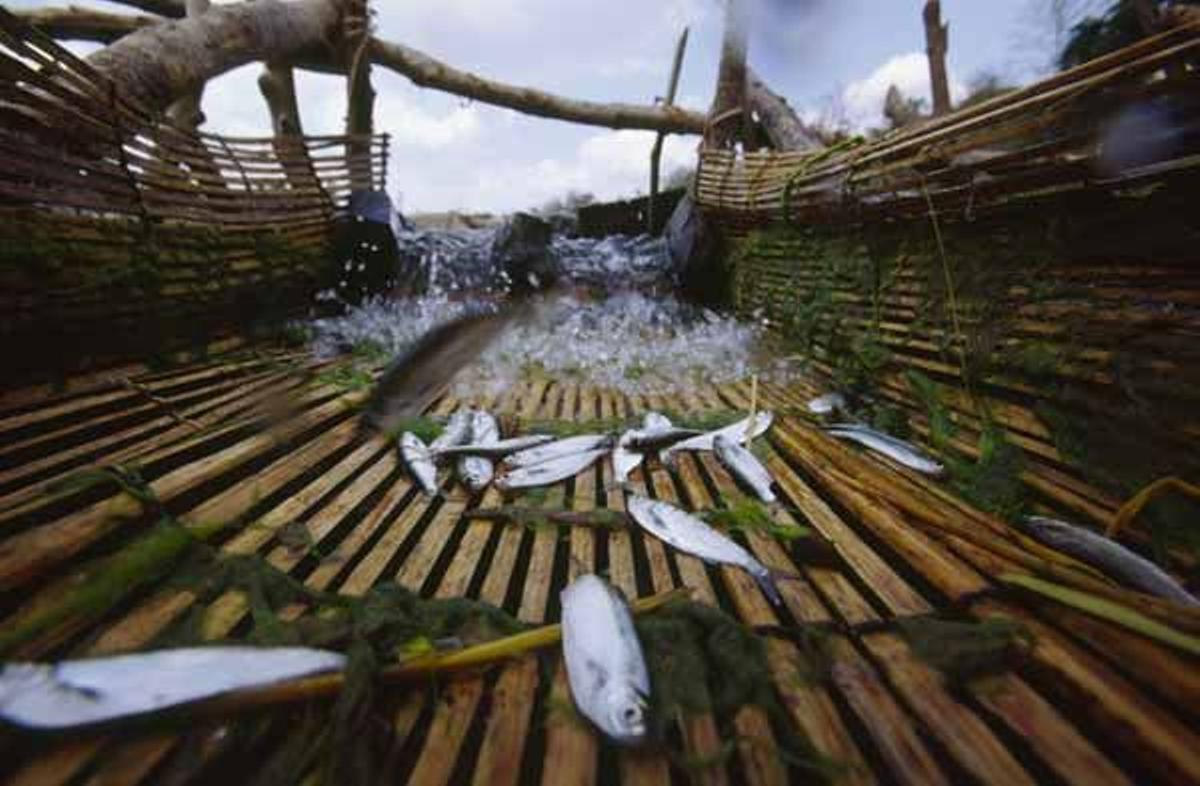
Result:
{"points": [[448, 153]]}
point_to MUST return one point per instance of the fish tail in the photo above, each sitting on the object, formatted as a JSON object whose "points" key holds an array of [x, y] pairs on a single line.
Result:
{"points": [[766, 580]]}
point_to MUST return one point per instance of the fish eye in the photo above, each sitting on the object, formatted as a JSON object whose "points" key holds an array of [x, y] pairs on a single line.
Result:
{"points": [[631, 715]]}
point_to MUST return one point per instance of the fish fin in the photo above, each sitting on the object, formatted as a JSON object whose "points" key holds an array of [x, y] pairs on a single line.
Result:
{"points": [[767, 582]]}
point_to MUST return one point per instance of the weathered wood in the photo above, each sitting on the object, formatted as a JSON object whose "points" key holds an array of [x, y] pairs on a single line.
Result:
{"points": [[937, 40], [656, 151]]}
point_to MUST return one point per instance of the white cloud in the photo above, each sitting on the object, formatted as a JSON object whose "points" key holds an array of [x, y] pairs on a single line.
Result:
{"points": [[411, 125], [608, 165], [863, 99]]}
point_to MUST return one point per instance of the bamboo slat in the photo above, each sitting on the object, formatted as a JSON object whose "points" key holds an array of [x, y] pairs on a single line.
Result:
{"points": [[1084, 701]]}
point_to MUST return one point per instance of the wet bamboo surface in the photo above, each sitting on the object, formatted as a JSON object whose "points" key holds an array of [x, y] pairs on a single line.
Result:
{"points": [[257, 441]]}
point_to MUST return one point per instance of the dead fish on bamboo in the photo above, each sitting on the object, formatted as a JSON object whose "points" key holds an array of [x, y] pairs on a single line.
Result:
{"points": [[457, 431], [827, 404], [549, 472], [743, 431], [94, 690], [606, 671], [477, 471], [498, 449], [419, 461], [896, 449], [657, 432], [624, 458], [744, 466], [1109, 556], [687, 533], [416, 378], [559, 447]]}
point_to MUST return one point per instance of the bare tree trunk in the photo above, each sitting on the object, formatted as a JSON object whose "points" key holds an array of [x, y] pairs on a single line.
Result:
{"points": [[783, 126], [729, 117], [277, 84], [84, 24], [656, 151], [937, 41], [158, 64], [185, 112], [305, 33], [360, 95], [174, 9]]}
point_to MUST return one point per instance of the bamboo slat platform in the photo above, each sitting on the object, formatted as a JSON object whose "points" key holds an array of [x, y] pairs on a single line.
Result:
{"points": [[240, 447]]}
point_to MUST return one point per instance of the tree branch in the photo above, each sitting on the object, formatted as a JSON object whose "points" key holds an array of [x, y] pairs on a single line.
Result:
{"points": [[158, 64], [303, 33], [425, 71], [784, 127], [83, 24], [173, 9]]}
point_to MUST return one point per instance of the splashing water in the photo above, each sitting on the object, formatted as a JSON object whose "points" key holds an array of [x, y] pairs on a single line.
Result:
{"points": [[629, 340]]}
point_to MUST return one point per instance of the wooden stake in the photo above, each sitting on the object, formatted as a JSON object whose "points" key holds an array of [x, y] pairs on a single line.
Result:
{"points": [[656, 152]]}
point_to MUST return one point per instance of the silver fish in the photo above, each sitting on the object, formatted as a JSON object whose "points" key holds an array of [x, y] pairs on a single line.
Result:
{"points": [[419, 461], [557, 448], [742, 431], [826, 404], [624, 458], [457, 431], [93, 690], [1109, 556], [497, 449], [548, 472], [655, 421], [605, 667], [687, 533], [896, 449], [745, 466], [477, 471]]}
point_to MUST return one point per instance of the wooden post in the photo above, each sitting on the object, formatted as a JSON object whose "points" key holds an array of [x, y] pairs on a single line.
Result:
{"points": [[937, 41], [656, 152], [360, 98], [277, 83], [729, 117], [186, 112]]}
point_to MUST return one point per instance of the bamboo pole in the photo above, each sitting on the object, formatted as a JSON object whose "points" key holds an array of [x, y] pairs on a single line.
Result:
{"points": [[656, 151]]}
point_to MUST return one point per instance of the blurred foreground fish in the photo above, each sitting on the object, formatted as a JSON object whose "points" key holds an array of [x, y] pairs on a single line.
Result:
{"points": [[416, 378], [94, 690], [743, 431], [744, 466], [605, 667], [896, 449], [1109, 556], [689, 534]]}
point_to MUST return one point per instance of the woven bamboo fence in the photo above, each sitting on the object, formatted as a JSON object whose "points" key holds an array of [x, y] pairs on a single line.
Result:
{"points": [[1009, 270], [113, 219], [1059, 136]]}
